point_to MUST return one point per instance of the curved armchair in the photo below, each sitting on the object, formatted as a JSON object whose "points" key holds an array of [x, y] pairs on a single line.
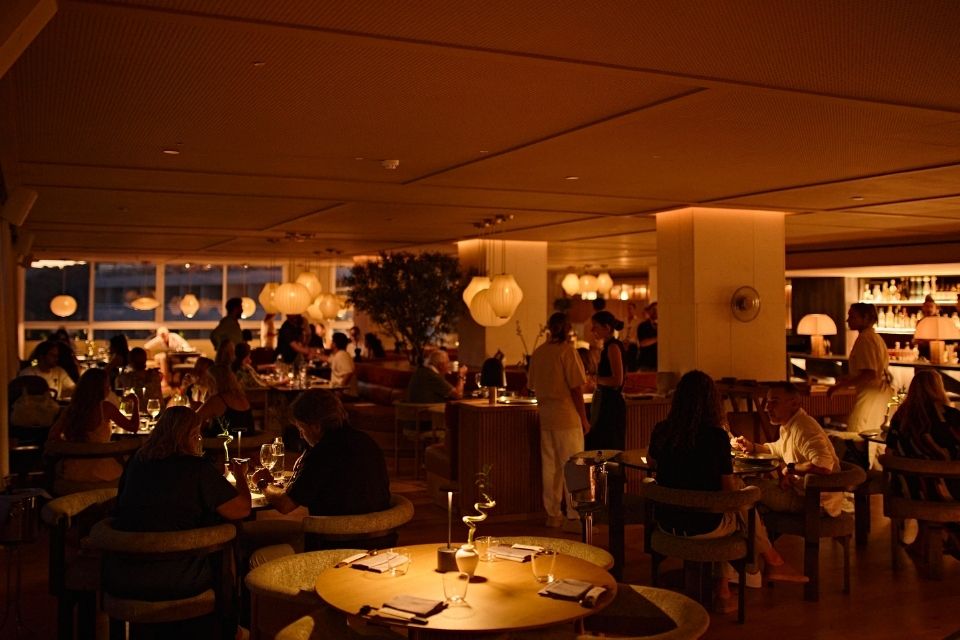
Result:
{"points": [[74, 573], [933, 514], [736, 548], [812, 524], [376, 530], [215, 542], [588, 552], [57, 451]]}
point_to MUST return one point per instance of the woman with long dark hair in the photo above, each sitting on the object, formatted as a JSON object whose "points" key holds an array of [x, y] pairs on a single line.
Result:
{"points": [[608, 414], [87, 419], [927, 427]]}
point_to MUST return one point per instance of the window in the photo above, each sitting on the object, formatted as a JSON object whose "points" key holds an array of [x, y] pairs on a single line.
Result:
{"points": [[248, 280], [44, 282], [203, 281], [117, 285]]}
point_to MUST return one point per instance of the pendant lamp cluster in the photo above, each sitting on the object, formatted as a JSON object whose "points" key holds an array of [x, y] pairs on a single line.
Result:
{"points": [[304, 295], [587, 285], [493, 300]]}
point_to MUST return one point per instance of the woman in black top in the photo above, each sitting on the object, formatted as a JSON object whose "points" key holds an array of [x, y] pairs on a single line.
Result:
{"points": [[608, 412], [691, 450], [167, 486]]}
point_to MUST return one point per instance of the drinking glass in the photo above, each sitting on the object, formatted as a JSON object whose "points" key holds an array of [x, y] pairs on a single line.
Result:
{"points": [[455, 588], [153, 407], [542, 564], [485, 546], [126, 405], [267, 459], [403, 561]]}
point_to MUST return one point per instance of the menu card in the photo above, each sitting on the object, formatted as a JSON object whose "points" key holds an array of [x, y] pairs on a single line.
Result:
{"points": [[516, 553], [380, 562], [566, 589]]}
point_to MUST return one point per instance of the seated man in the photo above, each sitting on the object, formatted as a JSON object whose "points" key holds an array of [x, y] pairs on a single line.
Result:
{"points": [[804, 448], [145, 383], [428, 383], [342, 472], [47, 355], [165, 341]]}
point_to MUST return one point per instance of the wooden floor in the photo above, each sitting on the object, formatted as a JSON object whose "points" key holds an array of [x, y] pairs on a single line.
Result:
{"points": [[881, 605]]}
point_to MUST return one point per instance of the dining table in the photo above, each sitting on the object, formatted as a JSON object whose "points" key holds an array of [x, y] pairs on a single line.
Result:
{"points": [[502, 596]]}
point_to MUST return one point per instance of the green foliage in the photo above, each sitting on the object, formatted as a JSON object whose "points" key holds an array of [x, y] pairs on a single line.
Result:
{"points": [[416, 297]]}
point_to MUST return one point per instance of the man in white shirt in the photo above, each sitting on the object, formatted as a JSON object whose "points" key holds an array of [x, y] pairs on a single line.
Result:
{"points": [[804, 448], [342, 372], [48, 355], [166, 341]]}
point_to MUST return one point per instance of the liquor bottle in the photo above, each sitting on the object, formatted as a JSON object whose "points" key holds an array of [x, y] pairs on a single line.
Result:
{"points": [[881, 319], [926, 285], [933, 285], [867, 296]]}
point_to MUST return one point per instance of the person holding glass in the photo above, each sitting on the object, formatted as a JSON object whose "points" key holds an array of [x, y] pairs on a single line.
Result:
{"points": [[88, 418]]}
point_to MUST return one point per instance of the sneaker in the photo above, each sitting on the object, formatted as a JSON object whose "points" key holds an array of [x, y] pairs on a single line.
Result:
{"points": [[554, 522], [572, 526]]}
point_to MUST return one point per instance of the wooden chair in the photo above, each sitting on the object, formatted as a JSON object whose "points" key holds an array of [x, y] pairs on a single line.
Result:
{"points": [[847, 445], [736, 548], [74, 573], [215, 542], [378, 530], [812, 524], [408, 420], [930, 514], [57, 451]]}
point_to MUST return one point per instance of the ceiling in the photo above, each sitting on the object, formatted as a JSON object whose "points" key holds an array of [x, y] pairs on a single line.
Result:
{"points": [[844, 114]]}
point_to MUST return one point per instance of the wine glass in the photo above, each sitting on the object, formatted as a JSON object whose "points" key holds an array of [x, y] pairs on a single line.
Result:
{"points": [[153, 407], [267, 459], [127, 405]]}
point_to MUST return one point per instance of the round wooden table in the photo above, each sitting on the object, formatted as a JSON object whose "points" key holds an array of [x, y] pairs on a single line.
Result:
{"points": [[502, 597]]}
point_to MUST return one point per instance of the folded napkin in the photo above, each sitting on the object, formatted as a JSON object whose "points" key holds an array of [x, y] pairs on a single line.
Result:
{"points": [[380, 562], [515, 554], [566, 589], [412, 604]]}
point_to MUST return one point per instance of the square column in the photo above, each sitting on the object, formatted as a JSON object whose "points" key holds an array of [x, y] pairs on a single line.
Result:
{"points": [[703, 256], [527, 262]]}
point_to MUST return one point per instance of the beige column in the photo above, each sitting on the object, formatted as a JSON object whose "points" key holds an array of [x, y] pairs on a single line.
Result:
{"points": [[527, 262], [703, 256]]}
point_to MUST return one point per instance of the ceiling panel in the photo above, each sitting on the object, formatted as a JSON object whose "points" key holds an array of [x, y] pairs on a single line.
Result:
{"points": [[717, 143], [583, 229], [935, 207], [175, 210], [72, 244], [316, 249]]}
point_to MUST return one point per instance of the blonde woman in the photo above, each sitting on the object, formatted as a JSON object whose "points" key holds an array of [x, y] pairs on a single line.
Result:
{"points": [[229, 407]]}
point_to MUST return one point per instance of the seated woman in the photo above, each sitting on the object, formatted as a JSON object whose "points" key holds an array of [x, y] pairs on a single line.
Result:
{"points": [[927, 427], [198, 383], [228, 408], [119, 352], [692, 451], [243, 368], [146, 383], [47, 355], [168, 486], [87, 419]]}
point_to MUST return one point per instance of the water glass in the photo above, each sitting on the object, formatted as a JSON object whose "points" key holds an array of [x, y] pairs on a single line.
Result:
{"points": [[485, 546], [455, 588], [542, 564], [402, 561]]}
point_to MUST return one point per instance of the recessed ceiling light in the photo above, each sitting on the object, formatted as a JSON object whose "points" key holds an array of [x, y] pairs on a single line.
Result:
{"points": [[571, 178], [857, 198], [484, 151], [259, 63], [172, 152], [359, 158]]}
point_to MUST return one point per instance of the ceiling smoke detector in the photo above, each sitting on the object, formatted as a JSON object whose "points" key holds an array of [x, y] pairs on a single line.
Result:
{"points": [[390, 164]]}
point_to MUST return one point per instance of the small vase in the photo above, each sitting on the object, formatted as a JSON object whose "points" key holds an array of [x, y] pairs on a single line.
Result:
{"points": [[467, 559]]}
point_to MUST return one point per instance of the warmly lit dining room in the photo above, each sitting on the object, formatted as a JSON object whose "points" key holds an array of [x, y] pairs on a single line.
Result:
{"points": [[348, 251]]}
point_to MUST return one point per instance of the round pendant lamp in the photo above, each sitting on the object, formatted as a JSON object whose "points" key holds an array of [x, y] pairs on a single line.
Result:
{"points": [[588, 283], [477, 283], [314, 311], [482, 312], [329, 305], [292, 298], [189, 305], [63, 306], [604, 283], [504, 295], [310, 280], [571, 284], [266, 297], [249, 307], [145, 303]]}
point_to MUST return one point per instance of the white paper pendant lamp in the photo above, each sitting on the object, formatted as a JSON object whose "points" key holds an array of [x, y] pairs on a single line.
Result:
{"points": [[189, 305], [249, 307], [604, 283], [310, 280], [292, 298], [266, 297], [571, 284], [63, 306], [314, 311], [145, 303], [588, 283], [329, 305], [477, 283], [482, 312], [505, 295]]}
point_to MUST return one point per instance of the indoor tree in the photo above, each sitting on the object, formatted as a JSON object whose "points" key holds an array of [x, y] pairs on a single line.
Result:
{"points": [[416, 297]]}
